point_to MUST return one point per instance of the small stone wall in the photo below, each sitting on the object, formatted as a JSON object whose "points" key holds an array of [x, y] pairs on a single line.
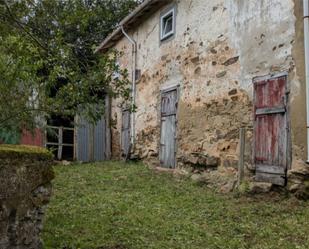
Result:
{"points": [[25, 189]]}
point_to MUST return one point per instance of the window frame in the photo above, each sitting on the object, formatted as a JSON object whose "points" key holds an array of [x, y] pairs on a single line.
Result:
{"points": [[116, 75], [165, 15]]}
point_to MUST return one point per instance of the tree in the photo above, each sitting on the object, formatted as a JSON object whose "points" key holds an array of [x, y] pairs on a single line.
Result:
{"points": [[47, 64]]}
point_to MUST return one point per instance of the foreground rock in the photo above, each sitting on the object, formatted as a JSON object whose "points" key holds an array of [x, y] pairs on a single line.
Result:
{"points": [[259, 187], [222, 180], [298, 180], [25, 189]]}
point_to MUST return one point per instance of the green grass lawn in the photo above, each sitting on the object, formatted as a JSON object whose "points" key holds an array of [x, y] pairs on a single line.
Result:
{"points": [[127, 206]]}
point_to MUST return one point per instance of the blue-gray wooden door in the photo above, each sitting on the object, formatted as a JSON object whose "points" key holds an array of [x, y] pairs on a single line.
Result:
{"points": [[91, 140], [125, 133], [83, 137], [99, 141], [168, 129]]}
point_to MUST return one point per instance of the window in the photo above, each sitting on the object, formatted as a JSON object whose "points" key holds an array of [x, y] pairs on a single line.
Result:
{"points": [[167, 24], [116, 74]]}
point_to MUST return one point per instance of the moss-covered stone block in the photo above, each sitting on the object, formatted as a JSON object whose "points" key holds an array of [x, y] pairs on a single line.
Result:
{"points": [[25, 188]]}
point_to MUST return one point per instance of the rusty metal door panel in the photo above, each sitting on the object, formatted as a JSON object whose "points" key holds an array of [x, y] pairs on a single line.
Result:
{"points": [[168, 129], [270, 130], [99, 141], [125, 133]]}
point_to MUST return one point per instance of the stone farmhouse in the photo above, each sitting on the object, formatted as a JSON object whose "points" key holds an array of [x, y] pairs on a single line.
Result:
{"points": [[202, 71]]}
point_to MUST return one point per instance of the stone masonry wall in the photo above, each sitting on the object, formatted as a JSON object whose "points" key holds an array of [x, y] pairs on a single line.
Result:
{"points": [[25, 189], [218, 48]]}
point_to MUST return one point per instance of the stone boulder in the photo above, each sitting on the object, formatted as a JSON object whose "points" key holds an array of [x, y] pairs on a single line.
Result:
{"points": [[222, 180], [259, 188], [298, 180], [200, 160]]}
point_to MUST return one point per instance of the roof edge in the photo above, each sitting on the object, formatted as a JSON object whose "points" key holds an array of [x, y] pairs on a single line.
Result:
{"points": [[140, 10]]}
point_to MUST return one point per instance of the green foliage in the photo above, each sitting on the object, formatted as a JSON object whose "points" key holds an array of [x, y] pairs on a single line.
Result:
{"points": [[118, 205], [9, 136], [23, 152], [47, 60]]}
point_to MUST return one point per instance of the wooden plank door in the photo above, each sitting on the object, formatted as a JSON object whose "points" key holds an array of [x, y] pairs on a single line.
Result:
{"points": [[82, 137], [91, 140], [169, 101], [99, 140], [125, 133], [271, 130]]}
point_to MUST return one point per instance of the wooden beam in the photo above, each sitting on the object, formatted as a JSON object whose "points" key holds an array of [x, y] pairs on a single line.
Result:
{"points": [[57, 127], [60, 141], [57, 144], [270, 169], [274, 110], [108, 135], [271, 178], [75, 139], [242, 141]]}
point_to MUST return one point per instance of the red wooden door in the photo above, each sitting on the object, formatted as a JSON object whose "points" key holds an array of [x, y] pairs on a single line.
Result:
{"points": [[270, 130]]}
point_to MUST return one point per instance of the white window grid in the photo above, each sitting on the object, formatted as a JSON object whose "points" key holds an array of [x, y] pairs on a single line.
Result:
{"points": [[163, 25]]}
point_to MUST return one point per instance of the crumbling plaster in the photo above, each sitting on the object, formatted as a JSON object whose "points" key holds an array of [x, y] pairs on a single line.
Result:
{"points": [[218, 48]]}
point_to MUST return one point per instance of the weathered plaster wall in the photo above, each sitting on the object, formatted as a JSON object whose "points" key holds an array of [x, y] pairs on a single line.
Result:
{"points": [[219, 47], [298, 89], [269, 37]]}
